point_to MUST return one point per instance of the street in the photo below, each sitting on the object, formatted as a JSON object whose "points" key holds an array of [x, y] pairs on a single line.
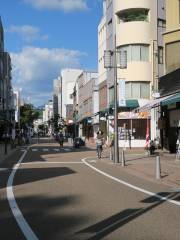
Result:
{"points": [[53, 193]]}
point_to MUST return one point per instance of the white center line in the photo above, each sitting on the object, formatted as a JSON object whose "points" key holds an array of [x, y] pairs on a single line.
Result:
{"points": [[130, 185]]}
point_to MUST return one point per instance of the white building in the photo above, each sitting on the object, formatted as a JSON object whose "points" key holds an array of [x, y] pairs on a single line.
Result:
{"points": [[135, 27], [56, 95], [17, 104], [67, 81], [48, 111]]}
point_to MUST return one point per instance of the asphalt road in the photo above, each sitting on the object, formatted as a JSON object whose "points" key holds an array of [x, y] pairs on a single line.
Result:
{"points": [[57, 196]]}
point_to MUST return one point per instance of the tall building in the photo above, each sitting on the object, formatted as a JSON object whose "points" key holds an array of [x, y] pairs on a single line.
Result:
{"points": [[170, 83], [134, 28], [56, 95], [6, 93]]}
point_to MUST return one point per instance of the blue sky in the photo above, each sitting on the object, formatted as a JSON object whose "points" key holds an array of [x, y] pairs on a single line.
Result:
{"points": [[44, 36]]}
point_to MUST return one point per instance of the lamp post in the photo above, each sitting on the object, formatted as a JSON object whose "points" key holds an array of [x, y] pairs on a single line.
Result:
{"points": [[110, 62]]}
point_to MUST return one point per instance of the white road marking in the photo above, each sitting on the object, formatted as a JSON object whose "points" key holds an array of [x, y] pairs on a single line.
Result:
{"points": [[93, 161], [56, 149], [67, 149], [24, 226], [45, 149], [130, 185], [34, 150]]}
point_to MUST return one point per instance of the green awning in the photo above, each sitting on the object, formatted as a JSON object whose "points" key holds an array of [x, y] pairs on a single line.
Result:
{"points": [[130, 103], [173, 99]]}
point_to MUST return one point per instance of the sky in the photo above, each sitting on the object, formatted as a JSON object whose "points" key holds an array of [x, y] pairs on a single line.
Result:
{"points": [[45, 36]]}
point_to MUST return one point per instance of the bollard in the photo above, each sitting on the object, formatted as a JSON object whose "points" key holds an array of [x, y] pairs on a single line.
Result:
{"points": [[111, 154], [158, 167], [122, 158]]}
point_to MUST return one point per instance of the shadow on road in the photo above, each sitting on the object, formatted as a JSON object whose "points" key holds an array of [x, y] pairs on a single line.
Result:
{"points": [[29, 175], [45, 215], [109, 225]]}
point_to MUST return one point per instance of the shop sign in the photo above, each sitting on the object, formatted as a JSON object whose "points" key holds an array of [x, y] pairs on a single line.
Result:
{"points": [[133, 115]]}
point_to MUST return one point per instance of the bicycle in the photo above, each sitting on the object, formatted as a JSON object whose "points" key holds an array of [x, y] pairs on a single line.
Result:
{"points": [[99, 151]]}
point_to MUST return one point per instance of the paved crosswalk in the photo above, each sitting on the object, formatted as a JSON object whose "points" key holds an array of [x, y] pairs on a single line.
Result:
{"points": [[51, 149]]}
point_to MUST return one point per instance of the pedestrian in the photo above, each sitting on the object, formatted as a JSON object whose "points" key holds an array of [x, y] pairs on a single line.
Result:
{"points": [[61, 139], [99, 143]]}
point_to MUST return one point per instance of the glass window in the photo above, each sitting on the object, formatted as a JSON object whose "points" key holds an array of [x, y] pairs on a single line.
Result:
{"points": [[160, 55], [161, 23], [128, 90], [135, 53], [135, 90], [111, 95], [144, 53], [145, 90]]}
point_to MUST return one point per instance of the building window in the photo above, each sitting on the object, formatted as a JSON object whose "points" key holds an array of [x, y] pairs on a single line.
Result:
{"points": [[161, 23], [137, 90], [135, 52], [160, 55], [131, 15]]}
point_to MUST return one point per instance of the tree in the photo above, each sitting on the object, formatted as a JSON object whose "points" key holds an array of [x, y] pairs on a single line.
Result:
{"points": [[27, 115]]}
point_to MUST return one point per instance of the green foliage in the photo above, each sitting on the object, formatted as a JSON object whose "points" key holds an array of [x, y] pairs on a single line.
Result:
{"points": [[27, 115]]}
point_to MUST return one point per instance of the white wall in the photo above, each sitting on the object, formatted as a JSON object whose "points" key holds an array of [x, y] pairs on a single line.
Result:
{"points": [[69, 77]]}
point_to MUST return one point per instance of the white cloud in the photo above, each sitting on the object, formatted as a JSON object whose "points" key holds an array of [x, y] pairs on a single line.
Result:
{"points": [[27, 32], [65, 5], [35, 68]]}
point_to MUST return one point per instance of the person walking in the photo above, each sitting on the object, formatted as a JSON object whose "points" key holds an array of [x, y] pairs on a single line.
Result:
{"points": [[99, 143], [61, 139]]}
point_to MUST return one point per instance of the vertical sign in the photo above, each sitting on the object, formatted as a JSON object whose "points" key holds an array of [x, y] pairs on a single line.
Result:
{"points": [[121, 85]]}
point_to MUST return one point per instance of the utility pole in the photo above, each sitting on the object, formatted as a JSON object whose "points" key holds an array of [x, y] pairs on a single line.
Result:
{"points": [[112, 63]]}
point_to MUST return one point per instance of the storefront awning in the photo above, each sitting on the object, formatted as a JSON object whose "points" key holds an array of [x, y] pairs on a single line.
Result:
{"points": [[170, 100], [152, 104], [129, 103]]}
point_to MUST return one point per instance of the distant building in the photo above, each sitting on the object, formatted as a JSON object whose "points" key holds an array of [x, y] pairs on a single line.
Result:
{"points": [[17, 104], [48, 112], [65, 99], [56, 96], [88, 104]]}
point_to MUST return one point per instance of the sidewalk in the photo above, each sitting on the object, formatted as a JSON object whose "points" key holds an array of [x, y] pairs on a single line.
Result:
{"points": [[138, 163], [10, 150]]}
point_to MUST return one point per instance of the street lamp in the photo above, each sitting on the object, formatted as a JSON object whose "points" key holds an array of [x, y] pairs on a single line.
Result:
{"points": [[110, 62]]}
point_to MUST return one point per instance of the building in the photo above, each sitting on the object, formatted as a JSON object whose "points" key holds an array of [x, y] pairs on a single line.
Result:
{"points": [[102, 72], [56, 96], [134, 29], [6, 92], [48, 112], [169, 122], [88, 104], [17, 104], [68, 78]]}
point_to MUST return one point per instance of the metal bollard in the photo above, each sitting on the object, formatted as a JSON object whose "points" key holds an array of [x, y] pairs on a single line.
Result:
{"points": [[158, 167], [122, 158]]}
